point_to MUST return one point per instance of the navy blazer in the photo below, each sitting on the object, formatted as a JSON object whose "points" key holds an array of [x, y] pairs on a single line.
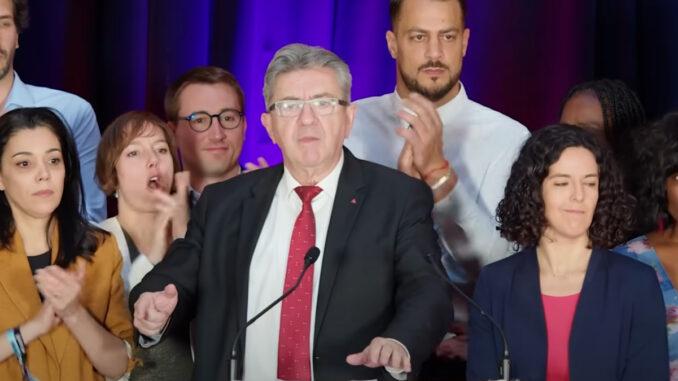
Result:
{"points": [[618, 331]]}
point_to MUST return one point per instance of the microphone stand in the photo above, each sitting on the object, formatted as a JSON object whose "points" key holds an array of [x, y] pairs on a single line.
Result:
{"points": [[309, 259], [505, 368]]}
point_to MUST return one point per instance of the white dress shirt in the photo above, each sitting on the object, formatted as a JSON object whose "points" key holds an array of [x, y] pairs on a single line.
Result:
{"points": [[132, 272], [480, 144], [268, 268]]}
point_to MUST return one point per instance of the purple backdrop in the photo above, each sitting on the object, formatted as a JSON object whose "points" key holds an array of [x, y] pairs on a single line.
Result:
{"points": [[523, 54]]}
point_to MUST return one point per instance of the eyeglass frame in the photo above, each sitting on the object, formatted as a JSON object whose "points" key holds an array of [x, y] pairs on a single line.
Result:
{"points": [[340, 102], [212, 116]]}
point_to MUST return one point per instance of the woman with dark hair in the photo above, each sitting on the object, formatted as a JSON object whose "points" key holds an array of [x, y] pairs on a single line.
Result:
{"points": [[610, 110], [607, 108], [570, 309], [656, 215], [136, 161], [61, 296]]}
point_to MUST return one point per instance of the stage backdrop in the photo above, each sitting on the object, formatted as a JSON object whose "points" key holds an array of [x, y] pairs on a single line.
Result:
{"points": [[523, 55]]}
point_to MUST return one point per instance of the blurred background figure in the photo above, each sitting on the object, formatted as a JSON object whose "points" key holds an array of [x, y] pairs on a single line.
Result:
{"points": [[656, 189], [137, 163], [610, 110], [74, 112]]}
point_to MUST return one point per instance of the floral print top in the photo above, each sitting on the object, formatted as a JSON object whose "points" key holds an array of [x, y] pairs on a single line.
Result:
{"points": [[639, 248]]}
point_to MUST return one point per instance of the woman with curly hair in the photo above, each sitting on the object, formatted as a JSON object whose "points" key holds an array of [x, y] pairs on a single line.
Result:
{"points": [[570, 309], [656, 214]]}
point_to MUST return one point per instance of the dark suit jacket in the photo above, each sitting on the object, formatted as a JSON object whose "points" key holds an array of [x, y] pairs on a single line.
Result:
{"points": [[618, 332], [375, 278]]}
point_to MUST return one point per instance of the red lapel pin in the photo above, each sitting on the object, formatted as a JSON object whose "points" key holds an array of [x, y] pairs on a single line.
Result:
{"points": [[353, 201]]}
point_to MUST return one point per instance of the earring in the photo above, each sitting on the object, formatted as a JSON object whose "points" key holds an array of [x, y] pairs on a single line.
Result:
{"points": [[115, 194]]}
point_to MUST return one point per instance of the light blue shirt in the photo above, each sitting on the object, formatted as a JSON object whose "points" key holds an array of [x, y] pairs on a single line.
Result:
{"points": [[79, 117]]}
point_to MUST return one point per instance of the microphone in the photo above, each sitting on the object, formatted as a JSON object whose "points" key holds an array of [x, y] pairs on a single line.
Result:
{"points": [[505, 369], [309, 259]]}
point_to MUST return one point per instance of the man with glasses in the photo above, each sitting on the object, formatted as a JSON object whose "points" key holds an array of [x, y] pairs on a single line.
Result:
{"points": [[205, 109], [370, 307]]}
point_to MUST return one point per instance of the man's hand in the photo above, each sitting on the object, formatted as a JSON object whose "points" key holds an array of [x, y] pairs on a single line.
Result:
{"points": [[455, 346], [382, 352], [406, 162], [261, 163], [153, 309], [426, 134]]}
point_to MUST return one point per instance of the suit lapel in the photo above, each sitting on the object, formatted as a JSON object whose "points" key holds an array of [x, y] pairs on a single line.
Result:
{"points": [[348, 200], [16, 279], [590, 308], [528, 310], [254, 210]]}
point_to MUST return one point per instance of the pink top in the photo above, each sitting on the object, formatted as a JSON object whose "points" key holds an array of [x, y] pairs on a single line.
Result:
{"points": [[559, 313]]}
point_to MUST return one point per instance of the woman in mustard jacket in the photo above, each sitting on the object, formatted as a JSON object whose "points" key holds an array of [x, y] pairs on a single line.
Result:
{"points": [[61, 295]]}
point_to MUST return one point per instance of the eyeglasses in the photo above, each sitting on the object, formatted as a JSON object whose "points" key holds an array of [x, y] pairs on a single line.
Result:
{"points": [[292, 107], [201, 121]]}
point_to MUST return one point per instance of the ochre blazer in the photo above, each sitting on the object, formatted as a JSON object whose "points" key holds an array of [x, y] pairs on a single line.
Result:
{"points": [[57, 355]]}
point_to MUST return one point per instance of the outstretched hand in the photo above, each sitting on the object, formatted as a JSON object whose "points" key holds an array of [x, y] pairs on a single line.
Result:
{"points": [[382, 352], [153, 309]]}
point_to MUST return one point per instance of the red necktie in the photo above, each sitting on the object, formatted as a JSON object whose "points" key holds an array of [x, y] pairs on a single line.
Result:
{"points": [[294, 354]]}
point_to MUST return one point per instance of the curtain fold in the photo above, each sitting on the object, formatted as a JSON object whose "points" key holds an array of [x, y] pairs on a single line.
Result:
{"points": [[523, 54]]}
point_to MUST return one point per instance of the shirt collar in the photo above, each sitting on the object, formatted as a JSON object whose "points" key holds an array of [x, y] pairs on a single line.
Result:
{"points": [[195, 195], [328, 184], [18, 96]]}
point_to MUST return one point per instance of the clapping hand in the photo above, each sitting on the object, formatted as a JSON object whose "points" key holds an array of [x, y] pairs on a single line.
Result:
{"points": [[173, 212], [425, 137], [61, 289], [261, 163]]}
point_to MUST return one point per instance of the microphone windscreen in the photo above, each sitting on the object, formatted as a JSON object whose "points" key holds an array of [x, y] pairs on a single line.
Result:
{"points": [[311, 256]]}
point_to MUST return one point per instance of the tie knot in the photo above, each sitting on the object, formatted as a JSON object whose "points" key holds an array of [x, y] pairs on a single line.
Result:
{"points": [[307, 192]]}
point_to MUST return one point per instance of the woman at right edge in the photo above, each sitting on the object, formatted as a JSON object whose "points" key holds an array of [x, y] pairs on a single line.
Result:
{"points": [[570, 309]]}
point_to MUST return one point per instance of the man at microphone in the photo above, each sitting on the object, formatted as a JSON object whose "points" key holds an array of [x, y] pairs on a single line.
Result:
{"points": [[371, 307]]}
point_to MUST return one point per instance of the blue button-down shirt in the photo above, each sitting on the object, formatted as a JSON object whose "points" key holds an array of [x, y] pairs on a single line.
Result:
{"points": [[79, 117]]}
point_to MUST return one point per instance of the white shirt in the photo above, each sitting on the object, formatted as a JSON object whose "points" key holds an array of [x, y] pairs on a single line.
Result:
{"points": [[132, 272], [268, 268], [480, 144]]}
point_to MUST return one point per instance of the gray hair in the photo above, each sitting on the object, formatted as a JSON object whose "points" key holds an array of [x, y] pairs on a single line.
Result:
{"points": [[295, 57]]}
